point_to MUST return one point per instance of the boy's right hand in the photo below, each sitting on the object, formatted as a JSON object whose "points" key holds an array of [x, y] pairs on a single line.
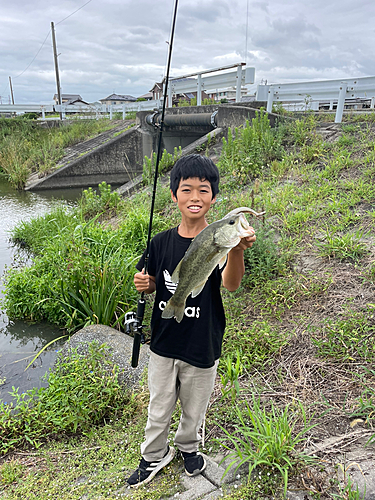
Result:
{"points": [[144, 283]]}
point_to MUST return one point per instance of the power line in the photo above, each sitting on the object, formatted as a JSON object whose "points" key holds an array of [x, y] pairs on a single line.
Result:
{"points": [[36, 55], [65, 18]]}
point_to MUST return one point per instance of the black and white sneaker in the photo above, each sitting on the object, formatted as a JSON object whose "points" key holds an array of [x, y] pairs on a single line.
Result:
{"points": [[194, 463], [147, 470]]}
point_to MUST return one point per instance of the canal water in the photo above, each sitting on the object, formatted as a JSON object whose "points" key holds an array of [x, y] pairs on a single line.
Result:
{"points": [[20, 341]]}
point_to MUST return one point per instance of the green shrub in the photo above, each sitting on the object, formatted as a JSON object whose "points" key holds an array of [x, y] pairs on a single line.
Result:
{"points": [[91, 203], [250, 150], [166, 162], [30, 116], [263, 261]]}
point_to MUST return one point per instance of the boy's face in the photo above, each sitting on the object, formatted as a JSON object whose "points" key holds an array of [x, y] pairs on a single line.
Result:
{"points": [[194, 197]]}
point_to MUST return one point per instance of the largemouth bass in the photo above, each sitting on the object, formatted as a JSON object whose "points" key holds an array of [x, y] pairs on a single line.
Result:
{"points": [[207, 250]]}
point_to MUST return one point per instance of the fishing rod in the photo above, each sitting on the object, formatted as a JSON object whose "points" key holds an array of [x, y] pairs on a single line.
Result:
{"points": [[137, 322]]}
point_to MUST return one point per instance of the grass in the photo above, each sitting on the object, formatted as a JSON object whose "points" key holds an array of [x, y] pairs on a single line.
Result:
{"points": [[347, 339], [265, 439]]}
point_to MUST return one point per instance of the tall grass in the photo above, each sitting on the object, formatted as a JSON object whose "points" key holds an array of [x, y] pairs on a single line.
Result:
{"points": [[82, 271], [266, 439], [248, 151], [167, 160], [82, 391]]}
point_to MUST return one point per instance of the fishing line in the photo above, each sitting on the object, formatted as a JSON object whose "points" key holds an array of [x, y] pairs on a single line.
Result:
{"points": [[138, 330]]}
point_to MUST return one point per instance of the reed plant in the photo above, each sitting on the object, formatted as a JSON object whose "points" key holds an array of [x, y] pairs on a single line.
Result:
{"points": [[266, 439]]}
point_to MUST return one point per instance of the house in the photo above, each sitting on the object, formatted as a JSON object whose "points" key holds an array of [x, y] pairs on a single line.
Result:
{"points": [[147, 97], [229, 94], [157, 92], [115, 99], [67, 97]]}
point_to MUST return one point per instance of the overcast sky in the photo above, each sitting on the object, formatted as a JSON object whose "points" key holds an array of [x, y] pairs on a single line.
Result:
{"points": [[120, 45]]}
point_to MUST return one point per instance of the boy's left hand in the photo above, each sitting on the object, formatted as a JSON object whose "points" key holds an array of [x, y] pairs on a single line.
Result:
{"points": [[246, 242]]}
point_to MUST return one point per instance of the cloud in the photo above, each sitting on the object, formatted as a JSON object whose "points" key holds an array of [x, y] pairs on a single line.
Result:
{"points": [[121, 44]]}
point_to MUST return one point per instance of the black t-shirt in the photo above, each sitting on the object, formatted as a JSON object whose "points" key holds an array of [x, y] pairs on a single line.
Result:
{"points": [[197, 339]]}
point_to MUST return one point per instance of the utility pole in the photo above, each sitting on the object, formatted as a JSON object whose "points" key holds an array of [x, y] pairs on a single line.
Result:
{"points": [[56, 67], [11, 90]]}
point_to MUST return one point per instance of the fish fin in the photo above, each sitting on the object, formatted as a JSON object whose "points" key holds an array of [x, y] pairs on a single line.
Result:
{"points": [[172, 310], [176, 273], [197, 290], [222, 261]]}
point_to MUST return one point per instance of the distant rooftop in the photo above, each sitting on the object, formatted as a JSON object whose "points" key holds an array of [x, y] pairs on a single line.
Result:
{"points": [[69, 97], [119, 97]]}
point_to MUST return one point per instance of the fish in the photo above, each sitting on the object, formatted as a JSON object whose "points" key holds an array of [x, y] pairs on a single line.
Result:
{"points": [[207, 250]]}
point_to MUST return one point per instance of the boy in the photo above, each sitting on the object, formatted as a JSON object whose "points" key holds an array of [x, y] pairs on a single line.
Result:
{"points": [[184, 356]]}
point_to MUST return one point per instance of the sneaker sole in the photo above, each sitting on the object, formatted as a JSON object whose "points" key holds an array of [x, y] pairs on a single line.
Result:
{"points": [[165, 461], [197, 471]]}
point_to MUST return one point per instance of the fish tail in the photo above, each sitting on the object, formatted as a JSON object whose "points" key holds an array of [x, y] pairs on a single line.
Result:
{"points": [[173, 310]]}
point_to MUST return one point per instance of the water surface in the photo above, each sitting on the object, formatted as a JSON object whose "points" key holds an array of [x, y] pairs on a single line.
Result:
{"points": [[20, 341]]}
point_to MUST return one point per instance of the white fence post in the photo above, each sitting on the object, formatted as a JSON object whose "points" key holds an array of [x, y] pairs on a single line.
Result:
{"points": [[199, 91], [372, 105], [238, 83], [43, 113], [270, 99], [110, 112], [63, 115], [170, 101], [123, 112], [341, 102]]}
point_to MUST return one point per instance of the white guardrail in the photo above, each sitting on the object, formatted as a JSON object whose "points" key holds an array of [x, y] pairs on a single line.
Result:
{"points": [[91, 109], [195, 82], [326, 90]]}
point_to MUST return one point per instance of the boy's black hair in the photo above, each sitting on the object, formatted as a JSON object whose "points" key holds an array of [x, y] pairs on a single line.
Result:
{"points": [[195, 166]]}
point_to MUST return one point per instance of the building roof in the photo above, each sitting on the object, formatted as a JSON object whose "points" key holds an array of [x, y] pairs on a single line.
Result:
{"points": [[147, 95], [69, 97], [76, 101], [158, 85], [119, 97]]}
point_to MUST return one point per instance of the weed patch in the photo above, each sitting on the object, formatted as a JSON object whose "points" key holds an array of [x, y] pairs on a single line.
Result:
{"points": [[81, 392], [347, 339], [265, 439]]}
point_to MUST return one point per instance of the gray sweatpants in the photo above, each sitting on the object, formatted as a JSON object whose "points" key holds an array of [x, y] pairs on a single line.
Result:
{"points": [[168, 380]]}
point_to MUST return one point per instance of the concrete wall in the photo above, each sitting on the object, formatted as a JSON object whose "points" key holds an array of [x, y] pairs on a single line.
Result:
{"points": [[235, 116], [228, 115], [115, 162]]}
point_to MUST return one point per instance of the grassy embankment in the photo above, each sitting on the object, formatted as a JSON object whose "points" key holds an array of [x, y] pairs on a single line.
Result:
{"points": [[298, 349], [25, 147]]}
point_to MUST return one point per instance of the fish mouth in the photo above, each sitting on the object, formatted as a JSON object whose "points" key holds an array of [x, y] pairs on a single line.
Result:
{"points": [[243, 227]]}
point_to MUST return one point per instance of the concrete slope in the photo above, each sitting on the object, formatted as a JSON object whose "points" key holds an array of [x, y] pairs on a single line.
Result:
{"points": [[112, 156]]}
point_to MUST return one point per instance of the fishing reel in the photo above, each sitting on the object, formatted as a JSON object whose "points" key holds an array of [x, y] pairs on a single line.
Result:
{"points": [[131, 325]]}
